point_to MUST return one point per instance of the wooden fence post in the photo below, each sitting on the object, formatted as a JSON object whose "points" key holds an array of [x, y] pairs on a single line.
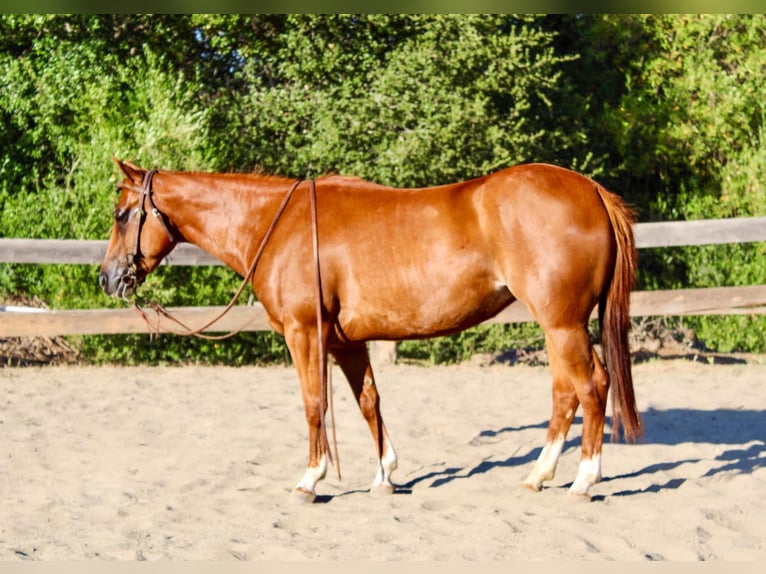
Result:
{"points": [[382, 352]]}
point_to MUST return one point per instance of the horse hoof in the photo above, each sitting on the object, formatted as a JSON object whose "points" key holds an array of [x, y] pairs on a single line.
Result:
{"points": [[302, 496], [381, 490], [532, 486], [579, 496]]}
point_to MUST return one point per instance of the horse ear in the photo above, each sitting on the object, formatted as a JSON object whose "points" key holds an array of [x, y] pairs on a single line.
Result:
{"points": [[132, 172]]}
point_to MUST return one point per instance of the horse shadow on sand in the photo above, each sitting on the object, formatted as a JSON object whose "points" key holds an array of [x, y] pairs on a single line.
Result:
{"points": [[736, 429]]}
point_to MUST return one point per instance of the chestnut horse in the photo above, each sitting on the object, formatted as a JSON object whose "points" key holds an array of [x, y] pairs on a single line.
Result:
{"points": [[407, 263]]}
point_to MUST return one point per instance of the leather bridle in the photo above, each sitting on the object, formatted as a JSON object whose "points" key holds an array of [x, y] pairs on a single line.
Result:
{"points": [[131, 279]]}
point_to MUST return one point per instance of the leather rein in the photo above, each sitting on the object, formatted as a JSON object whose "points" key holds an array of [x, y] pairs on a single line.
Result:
{"points": [[145, 194]]}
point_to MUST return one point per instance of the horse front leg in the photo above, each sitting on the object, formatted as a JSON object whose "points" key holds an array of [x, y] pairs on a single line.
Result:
{"points": [[354, 361], [302, 343]]}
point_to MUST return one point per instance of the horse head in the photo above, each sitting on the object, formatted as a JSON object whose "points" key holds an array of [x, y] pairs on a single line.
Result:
{"points": [[141, 234]]}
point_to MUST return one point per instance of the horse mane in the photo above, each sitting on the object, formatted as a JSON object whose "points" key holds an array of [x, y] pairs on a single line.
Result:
{"points": [[259, 172]]}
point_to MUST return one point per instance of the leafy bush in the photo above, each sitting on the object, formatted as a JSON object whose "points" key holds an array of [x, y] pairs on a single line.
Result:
{"points": [[665, 109], [491, 339]]}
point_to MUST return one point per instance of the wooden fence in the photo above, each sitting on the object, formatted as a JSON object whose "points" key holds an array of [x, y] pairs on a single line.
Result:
{"points": [[19, 322]]}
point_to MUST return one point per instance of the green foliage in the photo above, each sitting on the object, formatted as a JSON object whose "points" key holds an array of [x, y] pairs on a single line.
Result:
{"points": [[741, 333], [413, 100], [166, 349], [667, 110], [695, 115], [492, 339]]}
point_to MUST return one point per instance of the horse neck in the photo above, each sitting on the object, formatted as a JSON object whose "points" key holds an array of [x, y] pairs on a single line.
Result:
{"points": [[225, 215]]}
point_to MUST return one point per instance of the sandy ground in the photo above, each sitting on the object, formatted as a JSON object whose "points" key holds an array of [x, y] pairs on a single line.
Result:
{"points": [[197, 463]]}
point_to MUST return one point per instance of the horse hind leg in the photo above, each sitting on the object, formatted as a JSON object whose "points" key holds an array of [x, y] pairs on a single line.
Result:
{"points": [[565, 403], [593, 396], [580, 378], [354, 361]]}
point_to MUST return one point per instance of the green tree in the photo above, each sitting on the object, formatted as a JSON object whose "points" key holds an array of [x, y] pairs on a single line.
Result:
{"points": [[406, 100], [664, 109], [679, 104]]}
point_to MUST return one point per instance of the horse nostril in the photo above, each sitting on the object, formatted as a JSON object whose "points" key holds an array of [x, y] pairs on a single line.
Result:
{"points": [[103, 280]]}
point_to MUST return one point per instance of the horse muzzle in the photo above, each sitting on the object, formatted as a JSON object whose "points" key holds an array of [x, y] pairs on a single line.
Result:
{"points": [[121, 283]]}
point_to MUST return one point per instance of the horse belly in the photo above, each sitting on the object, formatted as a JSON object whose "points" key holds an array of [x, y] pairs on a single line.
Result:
{"points": [[419, 313]]}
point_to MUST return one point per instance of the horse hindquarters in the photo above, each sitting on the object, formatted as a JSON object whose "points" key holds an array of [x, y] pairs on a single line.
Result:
{"points": [[599, 269]]}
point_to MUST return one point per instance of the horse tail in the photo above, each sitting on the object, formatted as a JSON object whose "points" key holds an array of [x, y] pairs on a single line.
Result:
{"points": [[614, 318]]}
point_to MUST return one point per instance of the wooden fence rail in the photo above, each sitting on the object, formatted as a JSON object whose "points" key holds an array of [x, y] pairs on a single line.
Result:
{"points": [[710, 301], [16, 322], [648, 235]]}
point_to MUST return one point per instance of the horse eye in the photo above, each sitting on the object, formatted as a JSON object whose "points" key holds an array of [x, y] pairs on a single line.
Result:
{"points": [[121, 214]]}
